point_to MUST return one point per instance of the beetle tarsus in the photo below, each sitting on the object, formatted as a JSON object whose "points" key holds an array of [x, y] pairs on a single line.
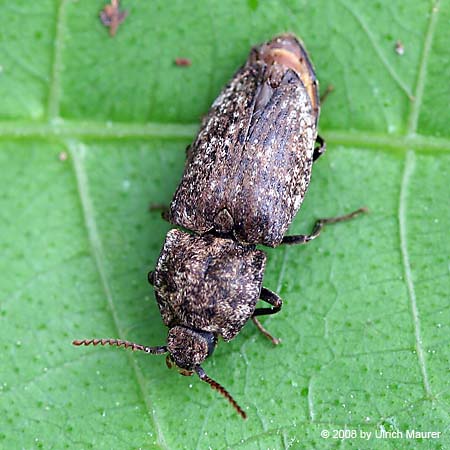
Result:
{"points": [[273, 299], [265, 332], [318, 226]]}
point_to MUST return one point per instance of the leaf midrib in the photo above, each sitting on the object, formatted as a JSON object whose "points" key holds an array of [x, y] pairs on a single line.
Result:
{"points": [[77, 152], [58, 128]]}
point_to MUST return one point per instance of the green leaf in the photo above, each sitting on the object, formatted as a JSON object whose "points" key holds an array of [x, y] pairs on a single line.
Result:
{"points": [[365, 322]]}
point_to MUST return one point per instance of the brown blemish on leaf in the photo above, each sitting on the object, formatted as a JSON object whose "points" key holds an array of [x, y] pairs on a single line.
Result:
{"points": [[112, 17], [183, 62]]}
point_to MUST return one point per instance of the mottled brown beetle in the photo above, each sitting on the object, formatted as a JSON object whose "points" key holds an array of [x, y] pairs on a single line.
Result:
{"points": [[245, 178]]}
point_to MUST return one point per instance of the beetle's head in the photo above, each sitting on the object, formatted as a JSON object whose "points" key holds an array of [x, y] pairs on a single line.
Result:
{"points": [[188, 348]]}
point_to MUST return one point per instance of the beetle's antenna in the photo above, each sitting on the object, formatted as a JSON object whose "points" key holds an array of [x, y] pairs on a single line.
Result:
{"points": [[219, 388], [127, 344]]}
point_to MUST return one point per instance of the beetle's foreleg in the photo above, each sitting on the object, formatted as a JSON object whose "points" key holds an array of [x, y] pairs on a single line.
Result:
{"points": [[318, 226], [273, 299]]}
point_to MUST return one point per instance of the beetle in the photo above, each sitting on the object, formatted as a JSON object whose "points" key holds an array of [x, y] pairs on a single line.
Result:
{"points": [[245, 177]]}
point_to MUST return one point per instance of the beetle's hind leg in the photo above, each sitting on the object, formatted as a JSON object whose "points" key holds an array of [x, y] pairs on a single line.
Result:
{"points": [[273, 299], [318, 226]]}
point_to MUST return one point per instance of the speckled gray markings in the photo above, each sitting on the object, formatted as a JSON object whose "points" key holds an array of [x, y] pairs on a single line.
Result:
{"points": [[249, 168], [208, 283]]}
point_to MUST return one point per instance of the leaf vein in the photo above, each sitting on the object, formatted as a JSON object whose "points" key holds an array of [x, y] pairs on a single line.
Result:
{"points": [[311, 411], [184, 132], [55, 83], [77, 154], [407, 174], [421, 77], [378, 51]]}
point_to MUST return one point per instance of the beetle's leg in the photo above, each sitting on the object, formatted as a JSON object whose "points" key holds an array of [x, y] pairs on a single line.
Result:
{"points": [[321, 144], [304, 238], [151, 277], [328, 90], [274, 340], [273, 299], [160, 207], [321, 147], [187, 151]]}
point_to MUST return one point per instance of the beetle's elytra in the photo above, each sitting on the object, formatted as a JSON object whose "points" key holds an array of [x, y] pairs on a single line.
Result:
{"points": [[245, 177], [249, 168]]}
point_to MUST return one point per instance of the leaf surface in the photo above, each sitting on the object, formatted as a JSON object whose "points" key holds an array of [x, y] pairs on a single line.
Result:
{"points": [[93, 129]]}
